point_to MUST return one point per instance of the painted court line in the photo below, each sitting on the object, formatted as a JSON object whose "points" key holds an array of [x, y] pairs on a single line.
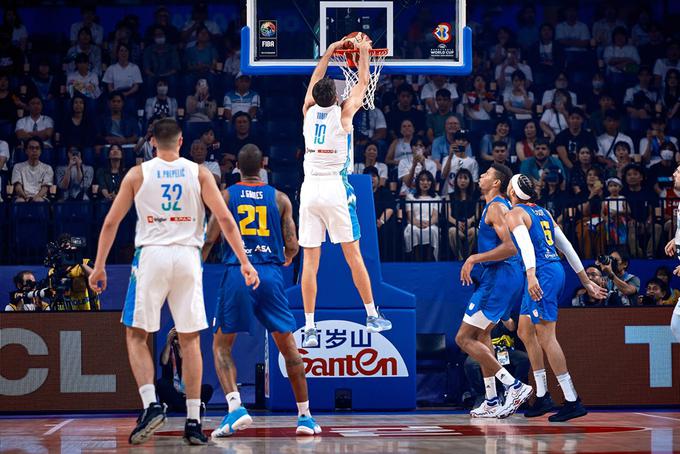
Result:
{"points": [[57, 427], [658, 416]]}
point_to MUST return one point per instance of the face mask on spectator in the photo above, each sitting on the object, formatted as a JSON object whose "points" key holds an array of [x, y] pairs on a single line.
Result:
{"points": [[160, 40], [667, 155], [162, 90]]}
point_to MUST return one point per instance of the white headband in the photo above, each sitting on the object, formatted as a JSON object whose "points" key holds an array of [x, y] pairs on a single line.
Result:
{"points": [[514, 181]]}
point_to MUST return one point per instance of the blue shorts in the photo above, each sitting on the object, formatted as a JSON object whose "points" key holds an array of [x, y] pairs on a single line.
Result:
{"points": [[551, 279], [500, 287], [239, 305]]}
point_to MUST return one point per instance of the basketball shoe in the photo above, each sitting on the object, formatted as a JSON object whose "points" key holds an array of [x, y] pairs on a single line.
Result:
{"points": [[515, 396], [238, 419], [307, 426], [569, 410], [149, 421], [376, 324], [311, 338], [193, 433], [487, 409], [541, 406]]}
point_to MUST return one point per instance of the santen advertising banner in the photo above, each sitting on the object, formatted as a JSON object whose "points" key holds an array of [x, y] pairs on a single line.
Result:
{"points": [[621, 356], [74, 361]]}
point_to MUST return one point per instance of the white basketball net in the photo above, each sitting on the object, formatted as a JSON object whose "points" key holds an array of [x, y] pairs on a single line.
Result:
{"points": [[351, 72]]}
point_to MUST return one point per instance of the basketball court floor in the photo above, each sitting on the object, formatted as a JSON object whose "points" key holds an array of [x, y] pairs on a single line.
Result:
{"points": [[420, 431]]}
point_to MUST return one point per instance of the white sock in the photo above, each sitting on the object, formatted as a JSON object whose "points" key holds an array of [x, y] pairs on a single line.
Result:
{"points": [[370, 310], [309, 320], [505, 377], [194, 409], [541, 382], [234, 400], [490, 387], [567, 387], [148, 393], [303, 409]]}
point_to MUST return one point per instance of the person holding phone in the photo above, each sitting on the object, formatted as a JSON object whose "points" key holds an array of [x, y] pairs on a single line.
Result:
{"points": [[75, 178]]}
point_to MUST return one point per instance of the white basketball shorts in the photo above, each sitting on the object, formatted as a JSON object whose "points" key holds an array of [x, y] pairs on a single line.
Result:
{"points": [[327, 204], [158, 273]]}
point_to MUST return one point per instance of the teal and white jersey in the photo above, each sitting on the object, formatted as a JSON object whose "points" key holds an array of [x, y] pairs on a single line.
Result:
{"points": [[328, 147]]}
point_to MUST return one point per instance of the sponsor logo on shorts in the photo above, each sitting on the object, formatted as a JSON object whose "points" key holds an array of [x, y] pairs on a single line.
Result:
{"points": [[471, 306], [442, 32], [535, 312], [347, 350]]}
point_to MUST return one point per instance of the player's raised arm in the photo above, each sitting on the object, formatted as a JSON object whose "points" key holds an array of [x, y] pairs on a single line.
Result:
{"points": [[290, 240], [213, 199], [355, 100], [318, 74], [212, 233], [120, 207], [565, 246], [496, 216]]}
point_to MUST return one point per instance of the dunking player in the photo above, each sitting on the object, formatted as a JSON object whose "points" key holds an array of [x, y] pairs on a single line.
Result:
{"points": [[673, 249], [168, 193], [327, 200], [537, 237], [265, 217], [501, 285]]}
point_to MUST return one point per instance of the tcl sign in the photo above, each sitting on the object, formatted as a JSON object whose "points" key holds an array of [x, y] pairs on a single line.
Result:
{"points": [[50, 361], [347, 350]]}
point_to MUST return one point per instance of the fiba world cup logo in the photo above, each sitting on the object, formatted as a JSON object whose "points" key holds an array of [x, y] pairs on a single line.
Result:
{"points": [[267, 29], [443, 32]]}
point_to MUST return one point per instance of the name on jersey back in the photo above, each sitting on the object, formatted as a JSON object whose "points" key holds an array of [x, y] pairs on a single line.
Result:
{"points": [[248, 194], [170, 173]]}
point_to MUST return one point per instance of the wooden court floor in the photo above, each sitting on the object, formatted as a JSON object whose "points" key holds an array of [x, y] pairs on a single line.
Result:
{"points": [[421, 432]]}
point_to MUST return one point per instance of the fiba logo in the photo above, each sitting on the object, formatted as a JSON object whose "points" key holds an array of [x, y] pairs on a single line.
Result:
{"points": [[443, 32], [268, 29]]}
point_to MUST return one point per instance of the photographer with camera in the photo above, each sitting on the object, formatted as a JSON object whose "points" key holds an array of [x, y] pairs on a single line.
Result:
{"points": [[26, 297], [657, 294], [583, 299], [619, 281], [68, 275]]}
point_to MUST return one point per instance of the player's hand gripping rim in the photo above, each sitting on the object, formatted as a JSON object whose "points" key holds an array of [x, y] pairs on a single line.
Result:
{"points": [[250, 275]]}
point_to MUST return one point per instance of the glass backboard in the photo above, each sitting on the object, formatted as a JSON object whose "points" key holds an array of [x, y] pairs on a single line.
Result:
{"points": [[423, 36]]}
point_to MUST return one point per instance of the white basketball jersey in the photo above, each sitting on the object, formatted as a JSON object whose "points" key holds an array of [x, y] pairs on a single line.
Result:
{"points": [[328, 147], [169, 205]]}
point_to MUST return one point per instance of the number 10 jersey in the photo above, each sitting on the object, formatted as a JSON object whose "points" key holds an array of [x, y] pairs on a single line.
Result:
{"points": [[169, 206], [328, 147]]}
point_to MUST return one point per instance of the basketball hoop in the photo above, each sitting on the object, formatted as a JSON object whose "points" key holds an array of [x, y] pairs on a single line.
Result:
{"points": [[346, 60]]}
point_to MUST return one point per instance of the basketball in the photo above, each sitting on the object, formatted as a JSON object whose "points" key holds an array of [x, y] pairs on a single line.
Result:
{"points": [[353, 39]]}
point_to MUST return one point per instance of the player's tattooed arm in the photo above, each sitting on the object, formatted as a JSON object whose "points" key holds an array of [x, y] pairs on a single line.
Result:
{"points": [[290, 240]]}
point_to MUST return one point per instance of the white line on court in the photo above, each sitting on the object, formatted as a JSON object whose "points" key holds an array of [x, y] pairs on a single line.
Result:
{"points": [[57, 427], [658, 416]]}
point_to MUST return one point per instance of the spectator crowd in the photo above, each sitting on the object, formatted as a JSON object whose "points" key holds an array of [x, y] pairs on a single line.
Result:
{"points": [[590, 110]]}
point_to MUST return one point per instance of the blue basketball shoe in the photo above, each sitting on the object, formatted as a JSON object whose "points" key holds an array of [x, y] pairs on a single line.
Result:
{"points": [[307, 426], [238, 419], [376, 324]]}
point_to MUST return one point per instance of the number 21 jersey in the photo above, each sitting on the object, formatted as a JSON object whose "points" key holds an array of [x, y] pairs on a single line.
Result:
{"points": [[169, 206], [254, 208]]}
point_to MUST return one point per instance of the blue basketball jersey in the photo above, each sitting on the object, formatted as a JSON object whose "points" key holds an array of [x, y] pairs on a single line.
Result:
{"points": [[542, 233], [487, 239], [254, 208]]}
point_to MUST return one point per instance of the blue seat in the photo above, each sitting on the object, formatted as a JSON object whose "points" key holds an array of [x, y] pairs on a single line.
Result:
{"points": [[74, 218], [4, 232], [281, 106], [30, 232], [125, 237], [283, 129], [285, 179], [282, 153]]}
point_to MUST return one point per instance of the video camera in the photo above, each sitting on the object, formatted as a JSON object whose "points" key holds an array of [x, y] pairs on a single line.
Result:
{"points": [[62, 256]]}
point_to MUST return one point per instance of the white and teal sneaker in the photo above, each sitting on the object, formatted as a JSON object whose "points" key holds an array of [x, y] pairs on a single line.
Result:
{"points": [[307, 426], [311, 338], [377, 324], [238, 419], [487, 409]]}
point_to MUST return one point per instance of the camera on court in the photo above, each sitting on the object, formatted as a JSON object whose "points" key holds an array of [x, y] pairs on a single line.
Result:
{"points": [[29, 292], [67, 251]]}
